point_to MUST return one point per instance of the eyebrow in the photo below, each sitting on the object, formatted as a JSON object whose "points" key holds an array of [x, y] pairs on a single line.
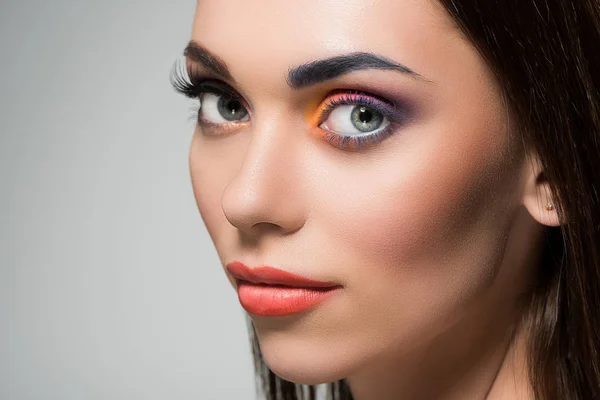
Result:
{"points": [[322, 70], [310, 73]]}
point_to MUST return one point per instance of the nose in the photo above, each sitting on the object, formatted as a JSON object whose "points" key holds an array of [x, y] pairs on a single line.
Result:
{"points": [[265, 194]]}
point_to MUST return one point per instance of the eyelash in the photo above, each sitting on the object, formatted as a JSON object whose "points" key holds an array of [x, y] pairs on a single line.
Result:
{"points": [[193, 85]]}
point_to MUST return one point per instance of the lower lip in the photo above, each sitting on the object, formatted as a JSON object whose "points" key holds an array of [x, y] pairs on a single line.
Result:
{"points": [[278, 301]]}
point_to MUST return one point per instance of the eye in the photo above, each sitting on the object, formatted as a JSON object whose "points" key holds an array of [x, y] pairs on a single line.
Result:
{"points": [[352, 120], [355, 119], [220, 108]]}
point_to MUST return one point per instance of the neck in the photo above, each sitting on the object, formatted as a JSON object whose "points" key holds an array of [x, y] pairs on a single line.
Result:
{"points": [[512, 380], [466, 362]]}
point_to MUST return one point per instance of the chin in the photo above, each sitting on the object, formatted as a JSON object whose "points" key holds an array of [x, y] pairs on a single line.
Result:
{"points": [[305, 360]]}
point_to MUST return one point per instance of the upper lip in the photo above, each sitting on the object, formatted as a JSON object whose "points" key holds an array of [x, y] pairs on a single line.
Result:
{"points": [[272, 276]]}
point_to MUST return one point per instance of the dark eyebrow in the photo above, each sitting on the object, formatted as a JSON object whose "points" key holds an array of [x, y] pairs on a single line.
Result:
{"points": [[309, 73], [322, 70], [195, 52]]}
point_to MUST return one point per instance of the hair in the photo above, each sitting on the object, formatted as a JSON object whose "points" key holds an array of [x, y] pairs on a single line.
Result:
{"points": [[545, 54]]}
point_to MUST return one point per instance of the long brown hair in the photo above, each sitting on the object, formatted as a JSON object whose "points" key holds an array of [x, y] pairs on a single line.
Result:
{"points": [[546, 56]]}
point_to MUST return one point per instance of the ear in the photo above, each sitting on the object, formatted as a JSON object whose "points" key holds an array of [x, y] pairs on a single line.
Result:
{"points": [[537, 197]]}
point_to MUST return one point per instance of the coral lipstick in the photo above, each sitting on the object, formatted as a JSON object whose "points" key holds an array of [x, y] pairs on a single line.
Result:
{"points": [[271, 292]]}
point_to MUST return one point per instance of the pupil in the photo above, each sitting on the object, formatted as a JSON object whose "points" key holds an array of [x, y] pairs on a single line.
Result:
{"points": [[234, 106], [365, 115], [231, 109]]}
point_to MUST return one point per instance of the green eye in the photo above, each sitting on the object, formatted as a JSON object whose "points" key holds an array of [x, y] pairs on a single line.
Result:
{"points": [[365, 119], [354, 119]]}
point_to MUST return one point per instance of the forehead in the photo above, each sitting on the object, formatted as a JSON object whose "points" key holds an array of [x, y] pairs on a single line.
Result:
{"points": [[271, 36]]}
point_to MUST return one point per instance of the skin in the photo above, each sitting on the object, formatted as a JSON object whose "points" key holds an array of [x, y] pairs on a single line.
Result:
{"points": [[434, 232]]}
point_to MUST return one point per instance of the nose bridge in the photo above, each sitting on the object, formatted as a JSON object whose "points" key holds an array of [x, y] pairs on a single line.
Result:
{"points": [[265, 188]]}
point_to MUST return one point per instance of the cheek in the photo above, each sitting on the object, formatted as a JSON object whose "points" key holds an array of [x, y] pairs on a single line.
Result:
{"points": [[212, 166], [420, 231]]}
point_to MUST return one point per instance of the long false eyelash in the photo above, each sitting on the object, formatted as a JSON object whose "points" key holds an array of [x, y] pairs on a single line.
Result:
{"points": [[192, 84], [181, 81]]}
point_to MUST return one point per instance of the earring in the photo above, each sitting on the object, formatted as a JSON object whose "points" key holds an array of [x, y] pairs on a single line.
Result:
{"points": [[549, 206]]}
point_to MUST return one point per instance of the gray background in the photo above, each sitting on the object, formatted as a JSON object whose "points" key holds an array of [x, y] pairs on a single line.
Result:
{"points": [[110, 287]]}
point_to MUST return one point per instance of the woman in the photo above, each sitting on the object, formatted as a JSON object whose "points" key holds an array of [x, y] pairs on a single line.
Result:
{"points": [[404, 193]]}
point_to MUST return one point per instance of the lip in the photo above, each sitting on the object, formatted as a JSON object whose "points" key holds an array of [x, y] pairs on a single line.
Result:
{"points": [[273, 276], [272, 292]]}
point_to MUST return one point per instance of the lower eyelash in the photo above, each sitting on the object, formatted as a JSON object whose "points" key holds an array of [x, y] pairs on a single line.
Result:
{"points": [[359, 142], [194, 112]]}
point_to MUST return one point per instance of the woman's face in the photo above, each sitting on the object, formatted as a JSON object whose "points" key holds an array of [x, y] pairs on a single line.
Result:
{"points": [[404, 188]]}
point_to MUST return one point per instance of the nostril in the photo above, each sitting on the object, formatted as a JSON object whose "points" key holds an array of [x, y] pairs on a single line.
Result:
{"points": [[266, 227]]}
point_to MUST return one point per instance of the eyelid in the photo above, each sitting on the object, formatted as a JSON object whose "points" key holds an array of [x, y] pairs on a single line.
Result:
{"points": [[216, 87], [356, 92], [190, 81], [341, 97]]}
